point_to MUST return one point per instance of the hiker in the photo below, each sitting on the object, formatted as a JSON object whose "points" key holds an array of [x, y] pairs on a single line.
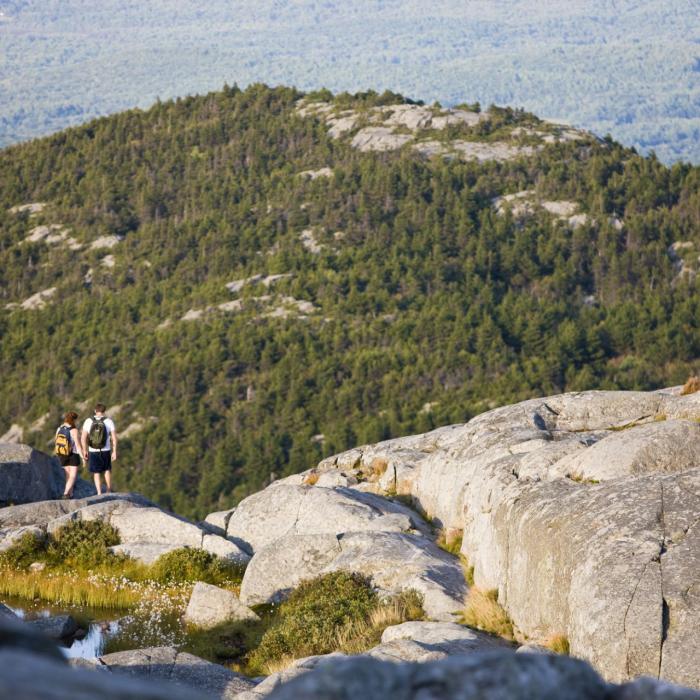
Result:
{"points": [[100, 443], [69, 450]]}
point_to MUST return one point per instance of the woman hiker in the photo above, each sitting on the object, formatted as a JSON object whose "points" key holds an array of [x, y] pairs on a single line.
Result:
{"points": [[69, 450]]}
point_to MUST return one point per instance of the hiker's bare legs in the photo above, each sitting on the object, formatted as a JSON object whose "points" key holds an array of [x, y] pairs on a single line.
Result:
{"points": [[97, 478], [108, 480], [71, 477]]}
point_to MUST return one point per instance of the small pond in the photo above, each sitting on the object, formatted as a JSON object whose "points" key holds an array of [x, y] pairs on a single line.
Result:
{"points": [[98, 626]]}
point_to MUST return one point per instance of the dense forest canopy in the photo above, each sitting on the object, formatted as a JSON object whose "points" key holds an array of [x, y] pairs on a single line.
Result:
{"points": [[627, 68], [387, 297]]}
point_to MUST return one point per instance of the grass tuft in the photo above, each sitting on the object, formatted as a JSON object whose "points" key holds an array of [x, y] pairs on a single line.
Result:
{"points": [[691, 386], [559, 644], [311, 478], [483, 612], [379, 466]]}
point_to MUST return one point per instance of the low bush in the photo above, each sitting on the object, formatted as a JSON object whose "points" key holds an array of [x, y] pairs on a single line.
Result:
{"points": [[187, 565], [335, 612], [82, 544], [309, 621]]}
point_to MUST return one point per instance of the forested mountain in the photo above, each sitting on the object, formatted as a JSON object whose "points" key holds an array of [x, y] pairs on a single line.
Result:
{"points": [[627, 68], [255, 279]]}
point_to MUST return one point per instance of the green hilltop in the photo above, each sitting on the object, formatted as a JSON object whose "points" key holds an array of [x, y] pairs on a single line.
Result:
{"points": [[256, 279]]}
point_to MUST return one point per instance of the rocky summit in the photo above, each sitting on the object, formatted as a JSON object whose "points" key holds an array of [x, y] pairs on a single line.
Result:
{"points": [[577, 513]]}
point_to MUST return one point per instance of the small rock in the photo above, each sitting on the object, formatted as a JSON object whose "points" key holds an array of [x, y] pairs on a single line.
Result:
{"points": [[210, 606]]}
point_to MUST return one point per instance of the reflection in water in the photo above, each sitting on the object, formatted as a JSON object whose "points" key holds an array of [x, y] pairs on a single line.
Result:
{"points": [[93, 643]]}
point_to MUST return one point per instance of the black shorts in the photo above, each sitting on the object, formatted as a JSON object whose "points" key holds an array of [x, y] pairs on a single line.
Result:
{"points": [[99, 462], [72, 460]]}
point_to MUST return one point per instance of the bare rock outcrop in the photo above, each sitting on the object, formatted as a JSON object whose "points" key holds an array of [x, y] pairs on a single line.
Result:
{"points": [[613, 565]]}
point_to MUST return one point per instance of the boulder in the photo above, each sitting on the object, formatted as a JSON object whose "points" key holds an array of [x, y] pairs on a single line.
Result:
{"points": [[169, 664], [154, 526], [225, 549], [28, 475], [283, 509], [210, 606], [487, 676], [41, 513], [55, 626], [395, 562], [444, 636], [217, 523]]}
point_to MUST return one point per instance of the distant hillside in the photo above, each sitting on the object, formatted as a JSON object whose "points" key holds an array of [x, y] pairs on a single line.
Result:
{"points": [[627, 68], [255, 279]]}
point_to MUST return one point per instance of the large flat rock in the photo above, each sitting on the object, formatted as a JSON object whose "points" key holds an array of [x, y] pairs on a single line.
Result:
{"points": [[283, 509], [169, 664]]}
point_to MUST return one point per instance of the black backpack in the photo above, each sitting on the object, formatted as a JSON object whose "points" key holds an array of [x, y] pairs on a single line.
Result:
{"points": [[97, 437], [62, 444]]}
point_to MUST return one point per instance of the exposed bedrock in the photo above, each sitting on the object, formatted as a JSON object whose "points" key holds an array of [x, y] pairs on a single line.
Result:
{"points": [[582, 510]]}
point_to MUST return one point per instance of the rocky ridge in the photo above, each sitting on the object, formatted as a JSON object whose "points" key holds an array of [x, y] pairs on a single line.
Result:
{"points": [[423, 129], [580, 510]]}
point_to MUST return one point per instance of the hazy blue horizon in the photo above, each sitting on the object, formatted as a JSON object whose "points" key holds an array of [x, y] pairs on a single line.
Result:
{"points": [[627, 68]]}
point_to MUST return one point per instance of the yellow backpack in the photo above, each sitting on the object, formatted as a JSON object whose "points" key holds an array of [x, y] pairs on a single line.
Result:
{"points": [[62, 445]]}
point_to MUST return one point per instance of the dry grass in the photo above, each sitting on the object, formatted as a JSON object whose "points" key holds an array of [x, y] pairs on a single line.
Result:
{"points": [[379, 466], [311, 478], [467, 569], [482, 611], [93, 590], [691, 386], [559, 644]]}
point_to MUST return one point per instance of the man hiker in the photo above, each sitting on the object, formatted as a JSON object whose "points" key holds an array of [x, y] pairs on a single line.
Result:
{"points": [[99, 440]]}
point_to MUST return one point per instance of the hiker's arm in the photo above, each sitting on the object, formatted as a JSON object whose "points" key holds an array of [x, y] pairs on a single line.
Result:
{"points": [[113, 438], [84, 443], [75, 436]]}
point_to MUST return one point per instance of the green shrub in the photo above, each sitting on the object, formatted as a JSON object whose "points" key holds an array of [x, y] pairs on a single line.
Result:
{"points": [[310, 620], [24, 552], [82, 543], [186, 565]]}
